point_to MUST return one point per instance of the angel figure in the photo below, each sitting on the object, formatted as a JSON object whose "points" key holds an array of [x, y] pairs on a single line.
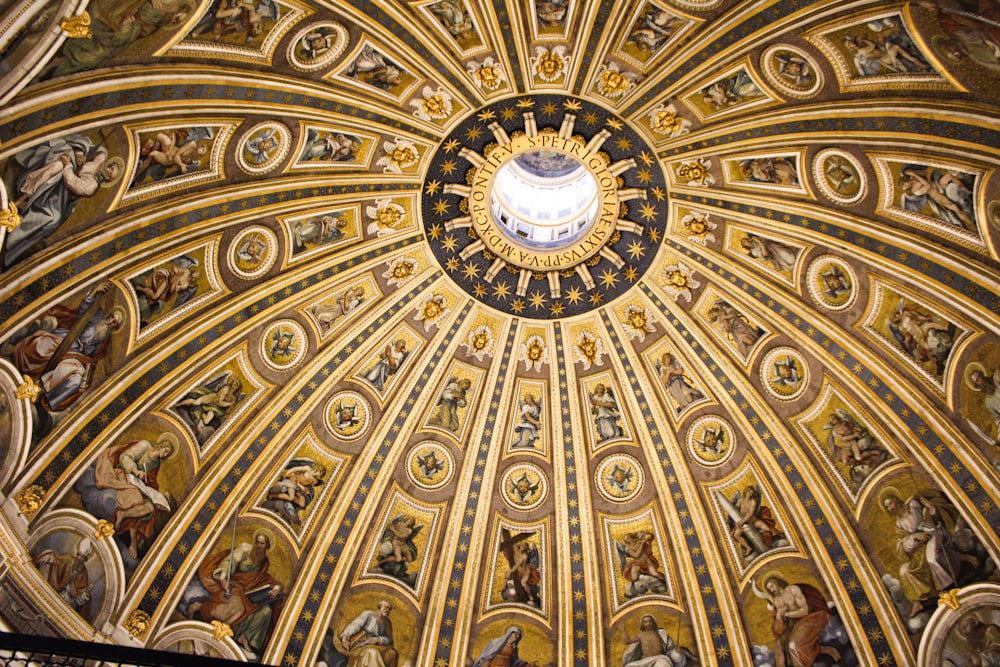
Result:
{"points": [[430, 464], [345, 415], [652, 31], [206, 407], [523, 581], [852, 445], [620, 478], [639, 566], [604, 408], [397, 549], [281, 345], [290, 495], [166, 287], [523, 487], [713, 442], [786, 372], [752, 524], [674, 378], [343, 304]]}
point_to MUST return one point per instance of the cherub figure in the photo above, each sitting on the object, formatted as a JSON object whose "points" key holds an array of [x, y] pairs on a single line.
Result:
{"points": [[639, 566]]}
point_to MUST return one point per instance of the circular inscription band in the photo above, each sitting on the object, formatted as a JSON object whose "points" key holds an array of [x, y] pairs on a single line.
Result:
{"points": [[499, 242], [544, 206]]}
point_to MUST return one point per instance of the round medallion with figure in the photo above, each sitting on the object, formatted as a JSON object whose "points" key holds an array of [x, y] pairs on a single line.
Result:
{"points": [[263, 147], [524, 486], [784, 373], [832, 283], [348, 415], [430, 465], [711, 440], [253, 252], [283, 344], [619, 477]]}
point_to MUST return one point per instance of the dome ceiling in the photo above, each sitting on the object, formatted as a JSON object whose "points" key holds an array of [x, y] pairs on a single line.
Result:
{"points": [[271, 372]]}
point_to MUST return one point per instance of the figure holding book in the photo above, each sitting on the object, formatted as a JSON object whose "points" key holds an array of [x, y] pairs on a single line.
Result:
{"points": [[242, 593]]}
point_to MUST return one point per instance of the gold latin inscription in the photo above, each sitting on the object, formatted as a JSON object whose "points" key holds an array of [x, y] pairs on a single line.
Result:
{"points": [[535, 259]]}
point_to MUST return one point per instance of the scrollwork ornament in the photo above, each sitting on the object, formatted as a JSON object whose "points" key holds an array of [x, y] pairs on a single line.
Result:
{"points": [[9, 217], [137, 623], [77, 27], [29, 500], [27, 390]]}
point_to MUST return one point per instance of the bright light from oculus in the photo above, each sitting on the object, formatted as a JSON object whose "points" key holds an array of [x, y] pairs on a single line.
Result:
{"points": [[544, 199]]}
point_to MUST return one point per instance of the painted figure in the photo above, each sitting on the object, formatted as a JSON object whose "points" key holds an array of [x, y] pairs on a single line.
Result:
{"points": [[318, 231], [930, 537], [604, 408], [131, 471], [68, 576], [651, 646], [523, 582], [852, 446], [343, 304], [982, 642], [801, 613], [453, 397], [63, 349], [924, 336], [653, 29], [166, 287], [294, 490], [397, 550], [375, 69], [674, 378], [639, 566], [756, 528], [781, 256], [530, 420], [206, 407], [323, 146], [46, 183], [731, 91], [454, 17], [243, 18], [364, 642], [979, 380], [239, 591], [888, 49], [502, 651], [114, 26], [388, 363], [946, 193], [735, 325], [776, 170]]}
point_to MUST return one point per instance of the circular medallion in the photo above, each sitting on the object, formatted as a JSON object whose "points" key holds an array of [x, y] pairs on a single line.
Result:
{"points": [[832, 283], [710, 440], [430, 465], [784, 373], [348, 415], [253, 252], [619, 477], [283, 344], [993, 213], [524, 486], [544, 206], [792, 71], [839, 176], [317, 45], [263, 147]]}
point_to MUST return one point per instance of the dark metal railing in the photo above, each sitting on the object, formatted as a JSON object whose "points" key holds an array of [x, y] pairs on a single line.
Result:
{"points": [[35, 651]]}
